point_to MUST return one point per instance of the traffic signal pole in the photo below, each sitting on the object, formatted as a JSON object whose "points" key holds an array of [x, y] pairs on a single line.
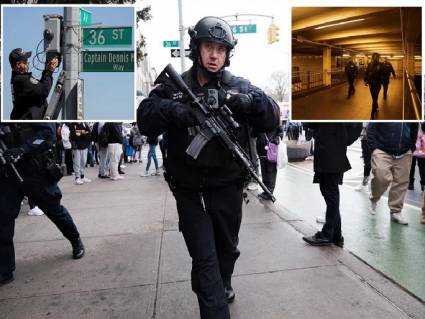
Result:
{"points": [[181, 30], [71, 49]]}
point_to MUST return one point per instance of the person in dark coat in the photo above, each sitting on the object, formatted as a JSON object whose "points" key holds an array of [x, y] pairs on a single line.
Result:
{"points": [[374, 77], [29, 147], [209, 189], [388, 70], [330, 163], [29, 94], [351, 72]]}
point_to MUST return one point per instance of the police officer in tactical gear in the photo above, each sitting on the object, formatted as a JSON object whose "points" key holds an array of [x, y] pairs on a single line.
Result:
{"points": [[388, 70], [351, 72], [208, 190], [374, 77], [28, 147], [29, 94]]}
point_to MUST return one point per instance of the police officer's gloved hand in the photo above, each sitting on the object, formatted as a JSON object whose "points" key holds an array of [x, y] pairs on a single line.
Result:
{"points": [[13, 155], [182, 115], [52, 64], [240, 103]]}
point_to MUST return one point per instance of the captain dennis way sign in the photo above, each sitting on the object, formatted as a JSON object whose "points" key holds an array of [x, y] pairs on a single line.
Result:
{"points": [[107, 61]]}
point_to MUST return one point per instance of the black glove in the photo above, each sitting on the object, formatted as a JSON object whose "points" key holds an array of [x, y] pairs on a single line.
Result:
{"points": [[13, 155], [182, 115], [240, 103]]}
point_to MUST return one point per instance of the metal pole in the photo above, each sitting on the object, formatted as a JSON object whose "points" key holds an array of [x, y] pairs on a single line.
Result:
{"points": [[181, 29], [71, 50]]}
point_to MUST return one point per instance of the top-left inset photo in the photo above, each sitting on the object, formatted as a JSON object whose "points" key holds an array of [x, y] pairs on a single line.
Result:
{"points": [[68, 63]]}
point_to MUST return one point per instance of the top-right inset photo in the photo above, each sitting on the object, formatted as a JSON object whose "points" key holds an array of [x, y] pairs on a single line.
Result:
{"points": [[357, 63]]}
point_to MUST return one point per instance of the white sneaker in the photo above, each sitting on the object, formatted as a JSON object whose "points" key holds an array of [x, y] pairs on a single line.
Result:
{"points": [[35, 212], [116, 178], [372, 208], [321, 219], [398, 218], [86, 180], [157, 173], [79, 181], [145, 174], [252, 186]]}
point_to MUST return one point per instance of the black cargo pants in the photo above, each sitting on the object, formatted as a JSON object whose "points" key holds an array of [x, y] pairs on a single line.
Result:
{"points": [[210, 223], [46, 195]]}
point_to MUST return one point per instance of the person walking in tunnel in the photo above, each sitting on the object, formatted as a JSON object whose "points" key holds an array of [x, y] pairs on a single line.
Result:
{"points": [[374, 78], [351, 72], [388, 70]]}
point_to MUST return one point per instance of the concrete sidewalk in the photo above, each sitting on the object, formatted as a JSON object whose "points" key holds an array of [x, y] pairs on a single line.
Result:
{"points": [[137, 266]]}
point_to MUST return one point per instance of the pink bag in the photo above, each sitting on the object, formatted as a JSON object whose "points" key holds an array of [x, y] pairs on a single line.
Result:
{"points": [[420, 144], [272, 152]]}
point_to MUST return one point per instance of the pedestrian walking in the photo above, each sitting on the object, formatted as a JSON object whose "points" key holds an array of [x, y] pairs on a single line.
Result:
{"points": [[374, 77], [208, 190], [351, 72], [392, 145], [330, 164]]}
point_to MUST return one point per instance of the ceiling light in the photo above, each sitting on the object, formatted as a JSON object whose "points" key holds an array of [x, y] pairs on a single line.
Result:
{"points": [[336, 24]]}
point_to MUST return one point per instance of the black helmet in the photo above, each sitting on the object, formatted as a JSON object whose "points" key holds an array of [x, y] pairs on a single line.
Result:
{"points": [[211, 29], [18, 55]]}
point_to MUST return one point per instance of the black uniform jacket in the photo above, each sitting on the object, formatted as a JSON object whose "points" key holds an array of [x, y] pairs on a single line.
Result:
{"points": [[330, 147], [375, 73], [392, 138], [215, 166], [35, 139], [29, 92]]}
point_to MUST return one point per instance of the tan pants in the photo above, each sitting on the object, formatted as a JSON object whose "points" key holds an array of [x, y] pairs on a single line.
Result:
{"points": [[387, 170]]}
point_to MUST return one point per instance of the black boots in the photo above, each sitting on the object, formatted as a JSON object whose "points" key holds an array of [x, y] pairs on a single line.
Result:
{"points": [[6, 278], [77, 249]]}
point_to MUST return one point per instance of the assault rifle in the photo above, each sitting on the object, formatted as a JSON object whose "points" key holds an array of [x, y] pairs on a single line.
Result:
{"points": [[3, 148], [214, 122]]}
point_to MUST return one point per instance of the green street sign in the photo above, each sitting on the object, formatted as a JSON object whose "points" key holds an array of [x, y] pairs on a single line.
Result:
{"points": [[107, 61], [244, 28], [85, 17], [171, 44], [107, 37]]}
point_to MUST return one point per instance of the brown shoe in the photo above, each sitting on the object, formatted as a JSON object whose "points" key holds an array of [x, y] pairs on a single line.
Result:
{"points": [[423, 220]]}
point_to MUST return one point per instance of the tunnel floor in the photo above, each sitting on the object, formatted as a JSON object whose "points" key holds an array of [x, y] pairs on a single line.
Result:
{"points": [[332, 104]]}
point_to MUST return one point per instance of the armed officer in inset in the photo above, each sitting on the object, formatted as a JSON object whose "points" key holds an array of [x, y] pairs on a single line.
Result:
{"points": [[351, 72], [208, 190], [374, 78], [388, 70], [27, 169], [29, 94]]}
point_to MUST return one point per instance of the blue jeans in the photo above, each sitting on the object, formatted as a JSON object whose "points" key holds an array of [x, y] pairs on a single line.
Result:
{"points": [[152, 154]]}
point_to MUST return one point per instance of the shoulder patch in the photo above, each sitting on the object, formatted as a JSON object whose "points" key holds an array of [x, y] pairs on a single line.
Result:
{"points": [[33, 81]]}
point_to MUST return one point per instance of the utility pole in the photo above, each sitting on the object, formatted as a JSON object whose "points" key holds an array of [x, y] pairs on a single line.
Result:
{"points": [[71, 50], [181, 29]]}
